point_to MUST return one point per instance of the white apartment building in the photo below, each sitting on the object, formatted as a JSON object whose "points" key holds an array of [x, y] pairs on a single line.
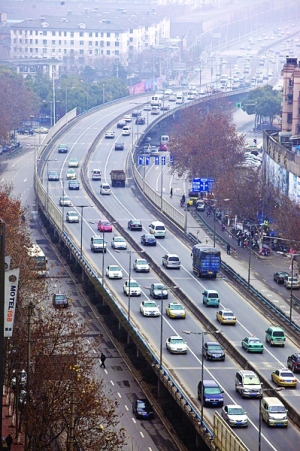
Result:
{"points": [[86, 37]]}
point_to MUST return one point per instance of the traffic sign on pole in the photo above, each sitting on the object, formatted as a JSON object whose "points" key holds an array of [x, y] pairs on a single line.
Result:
{"points": [[201, 185], [141, 159]]}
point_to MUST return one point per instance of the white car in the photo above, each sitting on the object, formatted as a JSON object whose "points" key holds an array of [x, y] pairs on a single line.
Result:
{"points": [[176, 345], [127, 118], [72, 216], [64, 201], [114, 272], [147, 107], [235, 415], [71, 174], [73, 163], [105, 189], [110, 134], [141, 265], [133, 288], [149, 308], [118, 242]]}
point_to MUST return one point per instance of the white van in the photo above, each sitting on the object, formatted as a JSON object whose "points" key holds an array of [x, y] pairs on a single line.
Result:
{"points": [[96, 174], [273, 412], [126, 130], [155, 110], [157, 229], [179, 98], [155, 101], [164, 139], [105, 188]]}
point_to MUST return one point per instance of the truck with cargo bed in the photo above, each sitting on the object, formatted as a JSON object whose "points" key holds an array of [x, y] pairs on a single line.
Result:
{"points": [[206, 261], [118, 178]]}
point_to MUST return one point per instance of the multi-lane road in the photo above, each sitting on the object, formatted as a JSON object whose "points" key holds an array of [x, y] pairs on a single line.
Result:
{"points": [[124, 204]]}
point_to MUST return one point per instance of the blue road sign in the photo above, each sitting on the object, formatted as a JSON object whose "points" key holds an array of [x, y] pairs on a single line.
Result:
{"points": [[156, 161], [141, 159], [163, 160], [171, 159], [201, 185], [147, 161]]}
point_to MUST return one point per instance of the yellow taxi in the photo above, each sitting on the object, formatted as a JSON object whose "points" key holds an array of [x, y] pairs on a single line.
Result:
{"points": [[226, 316], [175, 310], [284, 378]]}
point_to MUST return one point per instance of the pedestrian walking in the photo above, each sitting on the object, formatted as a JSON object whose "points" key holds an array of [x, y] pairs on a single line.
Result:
{"points": [[102, 358], [239, 241], [228, 249], [9, 441], [171, 193]]}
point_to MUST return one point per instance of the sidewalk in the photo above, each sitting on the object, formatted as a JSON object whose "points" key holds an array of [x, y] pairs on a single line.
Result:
{"points": [[8, 428]]}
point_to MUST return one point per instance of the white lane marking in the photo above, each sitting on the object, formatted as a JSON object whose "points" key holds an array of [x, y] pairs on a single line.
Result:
{"points": [[119, 394], [95, 352], [88, 341], [112, 383], [126, 408], [133, 420], [142, 435], [25, 180]]}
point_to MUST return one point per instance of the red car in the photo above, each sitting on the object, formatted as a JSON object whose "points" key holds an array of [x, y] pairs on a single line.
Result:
{"points": [[104, 226]]}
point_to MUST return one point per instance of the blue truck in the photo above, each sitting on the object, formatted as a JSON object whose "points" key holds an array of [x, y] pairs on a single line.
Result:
{"points": [[206, 261]]}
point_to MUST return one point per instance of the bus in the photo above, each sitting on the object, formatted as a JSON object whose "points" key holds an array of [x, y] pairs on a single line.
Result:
{"points": [[38, 260], [206, 261]]}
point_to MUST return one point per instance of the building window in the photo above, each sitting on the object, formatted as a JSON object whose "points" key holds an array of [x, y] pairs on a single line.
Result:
{"points": [[15, 41], [131, 30], [44, 50], [31, 50], [107, 52], [101, 52], [59, 33], [72, 42], [96, 43], [59, 42], [96, 52], [53, 33], [117, 44], [117, 35], [90, 52], [65, 33], [44, 33], [53, 42], [31, 32], [290, 118], [108, 44], [72, 34], [72, 51], [65, 42], [130, 39], [108, 35], [36, 32], [90, 43], [101, 43], [36, 50], [65, 51], [117, 52], [96, 34], [90, 34], [80, 42], [26, 41], [102, 34], [36, 41], [81, 34], [30, 41], [20, 41], [26, 49], [44, 41], [81, 52], [20, 49]]}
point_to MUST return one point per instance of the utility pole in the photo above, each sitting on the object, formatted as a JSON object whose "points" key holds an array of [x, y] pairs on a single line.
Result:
{"points": [[31, 308], [70, 444]]}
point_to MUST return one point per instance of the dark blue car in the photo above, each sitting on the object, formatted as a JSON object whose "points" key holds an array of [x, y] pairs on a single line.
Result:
{"points": [[148, 240]]}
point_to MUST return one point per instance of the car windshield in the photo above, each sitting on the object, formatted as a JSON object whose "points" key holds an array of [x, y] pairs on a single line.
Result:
{"points": [[160, 228], [213, 295], [149, 237], [287, 374], [254, 341], [159, 287], [72, 213], [214, 347], [173, 259], [277, 409], [119, 239], [114, 268], [142, 262], [212, 391], [177, 341], [227, 314], [142, 404], [235, 411], [133, 284], [251, 381], [176, 307], [150, 304], [59, 297]]}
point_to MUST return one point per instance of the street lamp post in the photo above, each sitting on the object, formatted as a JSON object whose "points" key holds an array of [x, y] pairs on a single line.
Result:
{"points": [[259, 413], [205, 332], [291, 293], [63, 205], [129, 279], [103, 253], [81, 213]]}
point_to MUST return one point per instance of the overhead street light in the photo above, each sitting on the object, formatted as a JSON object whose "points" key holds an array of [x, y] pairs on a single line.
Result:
{"points": [[205, 332]]}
